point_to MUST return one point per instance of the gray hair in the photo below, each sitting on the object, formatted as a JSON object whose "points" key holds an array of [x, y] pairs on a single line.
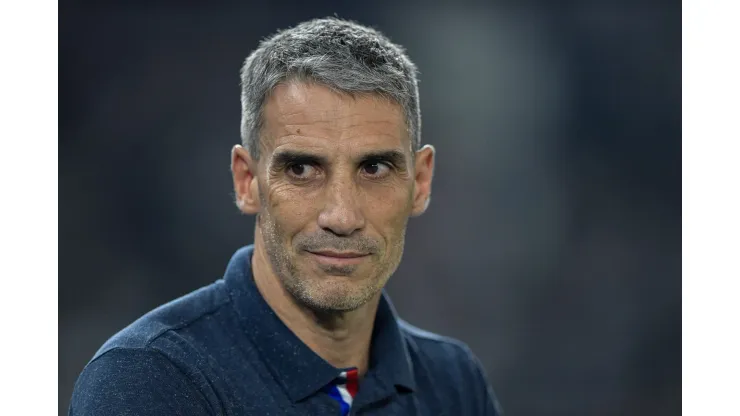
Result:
{"points": [[342, 55]]}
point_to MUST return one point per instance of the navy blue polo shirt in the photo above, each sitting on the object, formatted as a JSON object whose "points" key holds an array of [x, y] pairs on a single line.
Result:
{"points": [[221, 350]]}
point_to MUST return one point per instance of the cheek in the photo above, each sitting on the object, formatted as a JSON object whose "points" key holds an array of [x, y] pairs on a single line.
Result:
{"points": [[390, 211], [396, 192], [290, 209]]}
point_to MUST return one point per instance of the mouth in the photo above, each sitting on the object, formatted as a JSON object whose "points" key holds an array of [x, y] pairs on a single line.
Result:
{"points": [[337, 258]]}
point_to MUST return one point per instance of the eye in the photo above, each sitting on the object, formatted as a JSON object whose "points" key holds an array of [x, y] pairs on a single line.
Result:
{"points": [[376, 169], [301, 171]]}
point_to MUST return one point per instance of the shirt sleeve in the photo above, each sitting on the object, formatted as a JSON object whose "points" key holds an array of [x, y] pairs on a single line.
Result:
{"points": [[487, 401], [138, 382]]}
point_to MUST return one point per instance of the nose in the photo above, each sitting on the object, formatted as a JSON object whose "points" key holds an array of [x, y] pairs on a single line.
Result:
{"points": [[341, 213]]}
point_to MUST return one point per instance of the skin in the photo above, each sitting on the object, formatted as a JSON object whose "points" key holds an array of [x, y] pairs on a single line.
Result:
{"points": [[336, 176]]}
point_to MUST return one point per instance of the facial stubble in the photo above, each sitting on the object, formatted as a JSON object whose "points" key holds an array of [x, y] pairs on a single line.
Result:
{"points": [[334, 291]]}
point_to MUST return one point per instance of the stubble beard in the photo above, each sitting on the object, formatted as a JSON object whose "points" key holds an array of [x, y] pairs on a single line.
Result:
{"points": [[322, 295]]}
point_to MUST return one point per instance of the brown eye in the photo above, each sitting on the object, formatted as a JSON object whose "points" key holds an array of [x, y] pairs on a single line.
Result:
{"points": [[301, 170], [372, 168], [375, 169], [297, 169]]}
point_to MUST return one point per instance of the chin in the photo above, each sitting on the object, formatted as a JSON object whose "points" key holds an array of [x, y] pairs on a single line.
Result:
{"points": [[335, 294]]}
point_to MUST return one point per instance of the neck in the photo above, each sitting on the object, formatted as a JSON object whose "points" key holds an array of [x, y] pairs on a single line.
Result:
{"points": [[340, 338]]}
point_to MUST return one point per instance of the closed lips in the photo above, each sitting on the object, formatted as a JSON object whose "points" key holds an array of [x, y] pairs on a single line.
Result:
{"points": [[338, 255]]}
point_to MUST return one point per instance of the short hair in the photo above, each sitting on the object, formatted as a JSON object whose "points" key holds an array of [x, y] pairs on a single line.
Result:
{"points": [[342, 55]]}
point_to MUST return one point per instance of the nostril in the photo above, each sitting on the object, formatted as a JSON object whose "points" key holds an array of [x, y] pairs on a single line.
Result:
{"points": [[341, 219]]}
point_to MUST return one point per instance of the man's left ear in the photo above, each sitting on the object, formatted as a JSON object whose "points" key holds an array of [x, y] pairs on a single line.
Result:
{"points": [[424, 170]]}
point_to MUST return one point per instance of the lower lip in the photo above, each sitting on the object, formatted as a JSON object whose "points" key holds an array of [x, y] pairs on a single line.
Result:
{"points": [[338, 261]]}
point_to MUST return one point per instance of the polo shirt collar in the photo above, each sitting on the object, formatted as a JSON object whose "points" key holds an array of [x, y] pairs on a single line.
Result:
{"points": [[299, 370]]}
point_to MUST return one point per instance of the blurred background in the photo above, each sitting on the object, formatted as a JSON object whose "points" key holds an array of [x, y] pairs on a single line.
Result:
{"points": [[552, 245]]}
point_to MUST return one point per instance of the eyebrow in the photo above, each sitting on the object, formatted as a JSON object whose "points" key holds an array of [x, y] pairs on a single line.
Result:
{"points": [[289, 157]]}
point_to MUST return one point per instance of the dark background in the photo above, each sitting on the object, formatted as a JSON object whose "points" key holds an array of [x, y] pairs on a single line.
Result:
{"points": [[552, 244]]}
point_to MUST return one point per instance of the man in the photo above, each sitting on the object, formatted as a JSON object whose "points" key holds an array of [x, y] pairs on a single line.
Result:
{"points": [[332, 167]]}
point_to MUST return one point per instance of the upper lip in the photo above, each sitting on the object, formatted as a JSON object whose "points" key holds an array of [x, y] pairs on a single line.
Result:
{"points": [[345, 254]]}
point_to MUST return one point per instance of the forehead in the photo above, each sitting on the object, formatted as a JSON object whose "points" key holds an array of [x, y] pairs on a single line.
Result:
{"points": [[313, 115]]}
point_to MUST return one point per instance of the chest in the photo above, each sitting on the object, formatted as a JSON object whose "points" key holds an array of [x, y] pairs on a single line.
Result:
{"points": [[254, 390]]}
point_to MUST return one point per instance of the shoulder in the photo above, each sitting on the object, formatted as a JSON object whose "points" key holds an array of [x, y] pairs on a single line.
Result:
{"points": [[453, 366], [437, 348], [148, 365], [138, 381], [173, 316]]}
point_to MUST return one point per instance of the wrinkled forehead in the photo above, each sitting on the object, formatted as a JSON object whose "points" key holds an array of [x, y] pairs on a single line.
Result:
{"points": [[310, 114]]}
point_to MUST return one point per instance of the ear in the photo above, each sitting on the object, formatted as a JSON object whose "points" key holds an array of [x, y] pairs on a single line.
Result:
{"points": [[246, 188], [424, 170]]}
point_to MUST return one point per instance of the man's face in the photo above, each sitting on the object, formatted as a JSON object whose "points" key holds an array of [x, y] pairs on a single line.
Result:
{"points": [[337, 182]]}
